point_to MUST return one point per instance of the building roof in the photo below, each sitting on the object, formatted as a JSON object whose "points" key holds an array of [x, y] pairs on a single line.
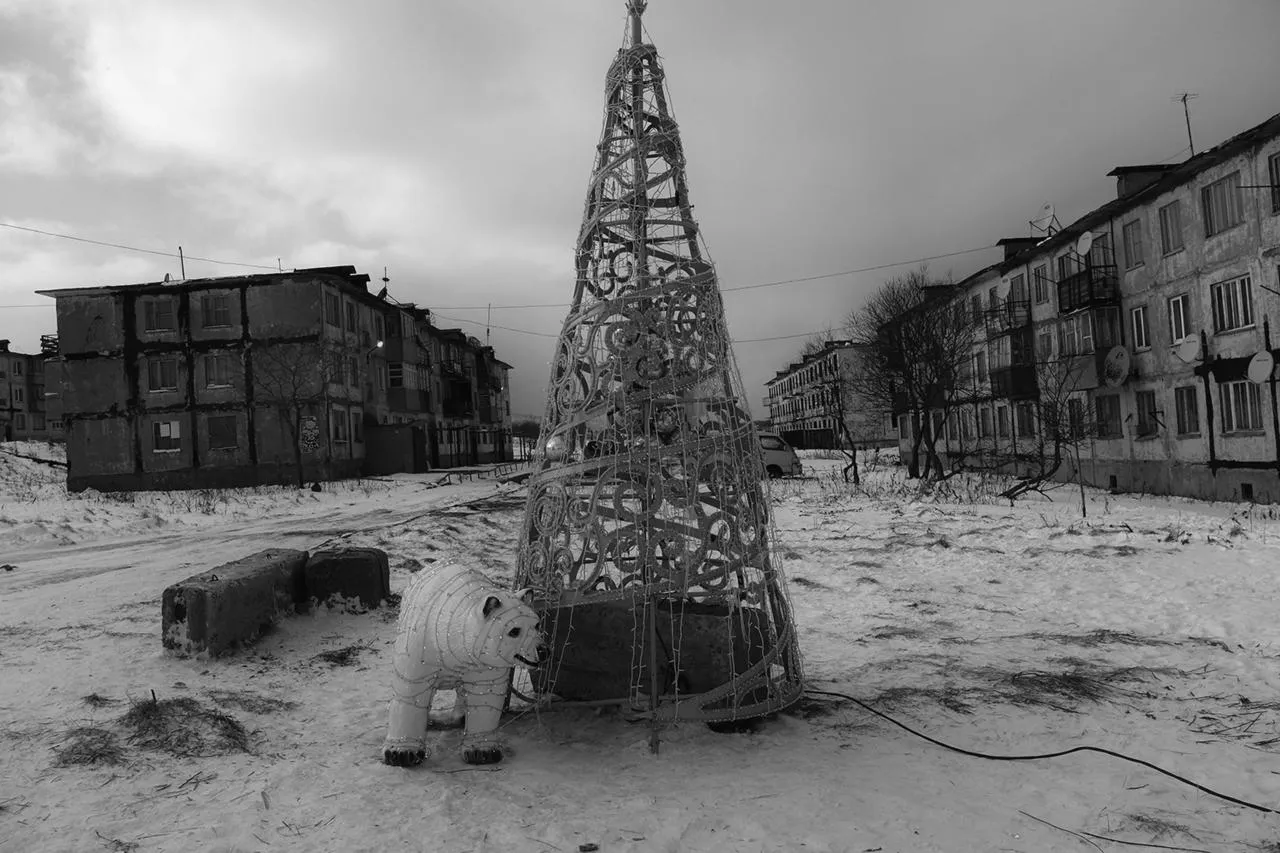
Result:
{"points": [[348, 273], [1175, 176], [1129, 170]]}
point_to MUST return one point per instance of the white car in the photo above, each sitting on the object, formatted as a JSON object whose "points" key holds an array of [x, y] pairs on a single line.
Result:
{"points": [[780, 458]]}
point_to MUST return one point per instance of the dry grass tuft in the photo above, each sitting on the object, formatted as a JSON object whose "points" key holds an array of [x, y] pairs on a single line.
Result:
{"points": [[950, 697], [250, 702], [1066, 690], [1101, 637], [97, 700], [116, 845], [808, 584], [1158, 827], [184, 728], [892, 633], [345, 656], [87, 746]]}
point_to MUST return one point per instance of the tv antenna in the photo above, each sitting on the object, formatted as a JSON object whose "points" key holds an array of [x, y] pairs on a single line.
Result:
{"points": [[382, 294], [1186, 113]]}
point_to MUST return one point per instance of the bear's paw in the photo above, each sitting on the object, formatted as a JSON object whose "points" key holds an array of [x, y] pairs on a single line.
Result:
{"points": [[482, 754], [403, 756]]}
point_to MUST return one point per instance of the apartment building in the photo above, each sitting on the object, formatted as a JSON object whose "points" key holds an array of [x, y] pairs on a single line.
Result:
{"points": [[1159, 307], [23, 410], [807, 400], [249, 379]]}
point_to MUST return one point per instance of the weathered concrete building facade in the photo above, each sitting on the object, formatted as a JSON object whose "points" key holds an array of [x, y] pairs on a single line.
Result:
{"points": [[24, 413], [1161, 306], [808, 400], [271, 378]]}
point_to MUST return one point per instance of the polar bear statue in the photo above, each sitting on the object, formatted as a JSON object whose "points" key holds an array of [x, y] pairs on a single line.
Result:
{"points": [[458, 630]]}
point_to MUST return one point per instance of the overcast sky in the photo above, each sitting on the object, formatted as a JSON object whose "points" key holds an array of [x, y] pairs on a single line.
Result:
{"points": [[451, 140]]}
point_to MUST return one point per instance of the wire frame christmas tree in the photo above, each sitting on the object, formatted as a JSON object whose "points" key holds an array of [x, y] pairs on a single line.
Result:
{"points": [[647, 531]]}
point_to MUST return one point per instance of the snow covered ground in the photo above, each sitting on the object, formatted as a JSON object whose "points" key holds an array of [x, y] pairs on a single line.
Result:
{"points": [[1149, 627]]}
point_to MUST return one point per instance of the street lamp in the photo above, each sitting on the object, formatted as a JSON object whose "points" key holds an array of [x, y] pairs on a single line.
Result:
{"points": [[372, 350]]}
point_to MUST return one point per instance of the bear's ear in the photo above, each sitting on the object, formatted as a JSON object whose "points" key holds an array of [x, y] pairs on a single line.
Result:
{"points": [[491, 604], [527, 595]]}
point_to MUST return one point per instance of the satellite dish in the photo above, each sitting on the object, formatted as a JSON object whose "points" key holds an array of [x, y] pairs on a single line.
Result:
{"points": [[1188, 350], [1046, 216], [1115, 367], [1084, 244], [1261, 367]]}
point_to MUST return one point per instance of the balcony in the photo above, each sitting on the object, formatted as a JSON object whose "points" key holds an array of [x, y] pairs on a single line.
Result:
{"points": [[1096, 284], [408, 400], [1014, 382], [1007, 315]]}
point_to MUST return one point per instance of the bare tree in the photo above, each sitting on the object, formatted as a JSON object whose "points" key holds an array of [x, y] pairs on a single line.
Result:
{"points": [[919, 342], [291, 378], [527, 431], [1067, 419]]}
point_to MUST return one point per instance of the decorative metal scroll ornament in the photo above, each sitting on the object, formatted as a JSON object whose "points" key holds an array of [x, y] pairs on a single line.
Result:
{"points": [[647, 530]]}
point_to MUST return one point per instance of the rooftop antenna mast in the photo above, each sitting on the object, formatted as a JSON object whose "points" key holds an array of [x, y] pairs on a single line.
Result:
{"points": [[636, 8], [1186, 113]]}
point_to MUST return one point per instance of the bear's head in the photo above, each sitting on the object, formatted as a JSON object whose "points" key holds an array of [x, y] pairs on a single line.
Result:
{"points": [[509, 633]]}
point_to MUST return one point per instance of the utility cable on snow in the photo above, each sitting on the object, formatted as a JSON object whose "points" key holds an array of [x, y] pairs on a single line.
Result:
{"points": [[1044, 755]]}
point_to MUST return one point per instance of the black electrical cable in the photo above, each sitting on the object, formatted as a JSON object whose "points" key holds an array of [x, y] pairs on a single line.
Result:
{"points": [[1044, 755]]}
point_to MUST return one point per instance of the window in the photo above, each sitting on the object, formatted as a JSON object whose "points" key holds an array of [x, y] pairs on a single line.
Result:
{"points": [[157, 315], [162, 374], [18, 395], [55, 425], [353, 371], [1187, 407], [1273, 172], [1132, 236], [980, 366], [1040, 275], [37, 423], [1232, 304], [222, 432], [984, 422], [904, 431], [20, 421], [1106, 328], [1018, 288], [1026, 419], [338, 418], [218, 370], [215, 310], [17, 368], [332, 309], [1044, 346], [396, 371], [1075, 416], [1145, 403], [1220, 202], [1241, 406], [1138, 322], [1002, 421], [1179, 328], [966, 425], [357, 418], [1075, 335], [166, 436], [975, 307], [1171, 228], [351, 316], [378, 333], [1108, 416]]}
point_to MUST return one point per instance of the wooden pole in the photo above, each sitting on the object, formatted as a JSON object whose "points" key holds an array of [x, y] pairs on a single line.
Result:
{"points": [[182, 263]]}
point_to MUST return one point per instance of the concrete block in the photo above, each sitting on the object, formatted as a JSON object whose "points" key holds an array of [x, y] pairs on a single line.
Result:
{"points": [[349, 574], [232, 605]]}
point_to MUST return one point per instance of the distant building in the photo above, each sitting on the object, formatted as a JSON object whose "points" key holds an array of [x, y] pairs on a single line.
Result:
{"points": [[808, 399], [251, 379], [23, 411], [1161, 306]]}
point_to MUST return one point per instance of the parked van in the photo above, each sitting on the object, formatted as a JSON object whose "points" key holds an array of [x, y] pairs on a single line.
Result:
{"points": [[780, 458]]}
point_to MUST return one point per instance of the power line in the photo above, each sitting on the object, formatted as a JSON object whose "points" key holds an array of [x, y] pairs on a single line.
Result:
{"points": [[549, 335], [750, 286], [133, 248]]}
